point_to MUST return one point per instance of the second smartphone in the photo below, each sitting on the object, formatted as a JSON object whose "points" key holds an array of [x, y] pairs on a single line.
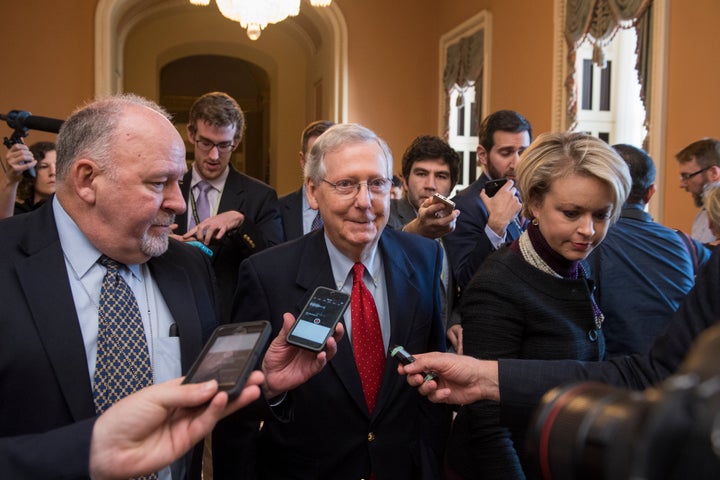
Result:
{"points": [[318, 318]]}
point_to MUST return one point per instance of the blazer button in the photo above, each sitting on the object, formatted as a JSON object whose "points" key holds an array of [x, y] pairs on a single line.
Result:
{"points": [[371, 437]]}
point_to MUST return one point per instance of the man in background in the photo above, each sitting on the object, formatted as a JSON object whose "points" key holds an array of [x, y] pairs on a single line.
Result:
{"points": [[298, 217], [431, 166], [232, 213], [488, 222], [699, 167], [642, 269]]}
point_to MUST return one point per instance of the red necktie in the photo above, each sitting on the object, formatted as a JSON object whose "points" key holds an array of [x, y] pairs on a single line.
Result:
{"points": [[366, 337]]}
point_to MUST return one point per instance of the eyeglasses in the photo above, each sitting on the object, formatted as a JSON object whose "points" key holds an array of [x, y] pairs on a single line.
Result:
{"points": [[206, 145], [688, 176], [347, 187]]}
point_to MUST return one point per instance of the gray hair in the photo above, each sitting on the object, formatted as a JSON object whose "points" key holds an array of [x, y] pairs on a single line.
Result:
{"points": [[337, 137], [90, 130]]}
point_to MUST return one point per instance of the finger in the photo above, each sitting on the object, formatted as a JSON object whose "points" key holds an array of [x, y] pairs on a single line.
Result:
{"points": [[288, 321]]}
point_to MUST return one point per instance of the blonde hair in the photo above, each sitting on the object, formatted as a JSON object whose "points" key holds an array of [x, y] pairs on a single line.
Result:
{"points": [[711, 201], [555, 155]]}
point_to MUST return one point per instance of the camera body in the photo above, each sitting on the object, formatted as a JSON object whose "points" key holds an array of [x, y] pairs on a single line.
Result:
{"points": [[596, 431]]}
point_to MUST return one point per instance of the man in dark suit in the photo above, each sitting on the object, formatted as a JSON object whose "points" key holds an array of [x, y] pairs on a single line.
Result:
{"points": [[242, 216], [431, 166], [486, 223], [298, 218], [119, 162], [344, 427]]}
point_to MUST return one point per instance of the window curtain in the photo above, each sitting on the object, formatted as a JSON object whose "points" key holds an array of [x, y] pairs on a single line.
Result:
{"points": [[464, 66], [597, 21]]}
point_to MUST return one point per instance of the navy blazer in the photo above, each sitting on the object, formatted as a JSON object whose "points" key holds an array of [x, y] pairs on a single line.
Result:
{"points": [[291, 211], [44, 380], [332, 434]]}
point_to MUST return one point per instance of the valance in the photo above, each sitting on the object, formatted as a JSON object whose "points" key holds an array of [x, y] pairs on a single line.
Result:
{"points": [[464, 67]]}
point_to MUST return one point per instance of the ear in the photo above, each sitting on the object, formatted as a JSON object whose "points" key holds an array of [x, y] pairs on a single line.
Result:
{"points": [[83, 175], [403, 180], [310, 192], [189, 134], [482, 155], [714, 173], [649, 193], [302, 161], [535, 208]]}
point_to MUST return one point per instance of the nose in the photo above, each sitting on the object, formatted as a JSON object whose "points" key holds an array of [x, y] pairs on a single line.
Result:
{"points": [[586, 226], [52, 169], [214, 152], [363, 199], [173, 199]]}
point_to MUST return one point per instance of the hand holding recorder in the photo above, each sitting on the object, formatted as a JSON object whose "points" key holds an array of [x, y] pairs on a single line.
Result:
{"points": [[436, 218]]}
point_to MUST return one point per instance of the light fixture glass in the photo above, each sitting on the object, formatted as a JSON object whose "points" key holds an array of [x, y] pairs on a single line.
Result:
{"points": [[202, 3], [255, 15], [320, 3]]}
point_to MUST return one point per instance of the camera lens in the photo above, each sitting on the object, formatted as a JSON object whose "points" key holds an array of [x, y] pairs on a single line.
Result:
{"points": [[586, 431]]}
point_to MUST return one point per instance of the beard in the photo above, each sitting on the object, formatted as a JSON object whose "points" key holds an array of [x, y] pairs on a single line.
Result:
{"points": [[155, 245], [698, 198]]}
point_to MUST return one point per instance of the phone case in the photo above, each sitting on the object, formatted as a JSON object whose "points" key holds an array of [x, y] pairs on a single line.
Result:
{"points": [[492, 187], [262, 327]]}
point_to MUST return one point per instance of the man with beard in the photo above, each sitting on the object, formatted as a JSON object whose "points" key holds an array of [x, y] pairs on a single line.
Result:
{"points": [[488, 222], [699, 168], [97, 301]]}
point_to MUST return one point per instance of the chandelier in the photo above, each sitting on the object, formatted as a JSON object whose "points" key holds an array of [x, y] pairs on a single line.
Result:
{"points": [[255, 15]]}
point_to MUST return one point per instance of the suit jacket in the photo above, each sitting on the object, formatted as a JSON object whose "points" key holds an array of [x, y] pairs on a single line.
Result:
{"points": [[332, 434], [291, 211], [468, 246], [44, 380], [402, 213], [260, 229]]}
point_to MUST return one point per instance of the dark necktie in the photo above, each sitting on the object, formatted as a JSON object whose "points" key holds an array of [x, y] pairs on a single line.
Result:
{"points": [[317, 222], [202, 203], [122, 363], [366, 337]]}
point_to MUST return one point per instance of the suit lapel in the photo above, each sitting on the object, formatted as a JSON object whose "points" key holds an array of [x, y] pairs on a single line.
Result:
{"points": [[231, 198], [182, 219], [53, 311], [176, 289]]}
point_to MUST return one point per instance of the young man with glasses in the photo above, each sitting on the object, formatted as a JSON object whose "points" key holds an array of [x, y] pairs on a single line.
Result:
{"points": [[699, 168]]}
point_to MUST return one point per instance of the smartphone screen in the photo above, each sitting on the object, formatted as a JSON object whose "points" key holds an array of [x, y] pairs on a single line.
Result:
{"points": [[318, 318], [230, 355]]}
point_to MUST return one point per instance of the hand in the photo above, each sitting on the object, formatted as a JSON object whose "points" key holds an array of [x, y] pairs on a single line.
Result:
{"points": [[18, 159], [502, 208], [434, 220], [286, 366], [461, 379], [215, 227], [148, 430], [455, 335]]}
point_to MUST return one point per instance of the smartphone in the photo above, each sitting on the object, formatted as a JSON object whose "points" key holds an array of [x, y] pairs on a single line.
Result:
{"points": [[318, 318], [437, 198], [230, 355], [492, 187]]}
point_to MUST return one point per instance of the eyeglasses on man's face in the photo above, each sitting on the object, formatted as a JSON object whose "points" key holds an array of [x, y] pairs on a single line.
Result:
{"points": [[205, 146], [688, 176], [350, 188]]}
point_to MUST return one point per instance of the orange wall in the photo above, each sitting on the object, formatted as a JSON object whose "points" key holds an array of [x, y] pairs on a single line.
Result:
{"points": [[392, 71]]}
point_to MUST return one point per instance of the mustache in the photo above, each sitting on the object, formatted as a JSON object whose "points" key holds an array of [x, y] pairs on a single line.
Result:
{"points": [[164, 218]]}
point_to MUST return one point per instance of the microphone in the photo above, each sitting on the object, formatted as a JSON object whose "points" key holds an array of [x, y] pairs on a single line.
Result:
{"points": [[19, 120]]}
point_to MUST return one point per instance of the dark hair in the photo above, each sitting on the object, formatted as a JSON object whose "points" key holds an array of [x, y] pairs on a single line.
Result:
{"points": [[314, 129], [706, 153], [427, 147], [396, 182], [26, 188], [642, 171], [504, 121], [219, 110]]}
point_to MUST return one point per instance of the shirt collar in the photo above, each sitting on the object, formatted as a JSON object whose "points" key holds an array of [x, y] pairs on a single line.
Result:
{"points": [[217, 183]]}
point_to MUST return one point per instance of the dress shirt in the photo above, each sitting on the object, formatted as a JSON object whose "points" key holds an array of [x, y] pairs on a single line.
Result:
{"points": [[213, 195], [308, 214], [375, 283], [701, 229]]}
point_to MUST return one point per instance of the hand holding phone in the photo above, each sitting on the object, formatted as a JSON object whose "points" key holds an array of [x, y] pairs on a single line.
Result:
{"points": [[437, 198], [493, 186], [230, 355], [318, 318]]}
